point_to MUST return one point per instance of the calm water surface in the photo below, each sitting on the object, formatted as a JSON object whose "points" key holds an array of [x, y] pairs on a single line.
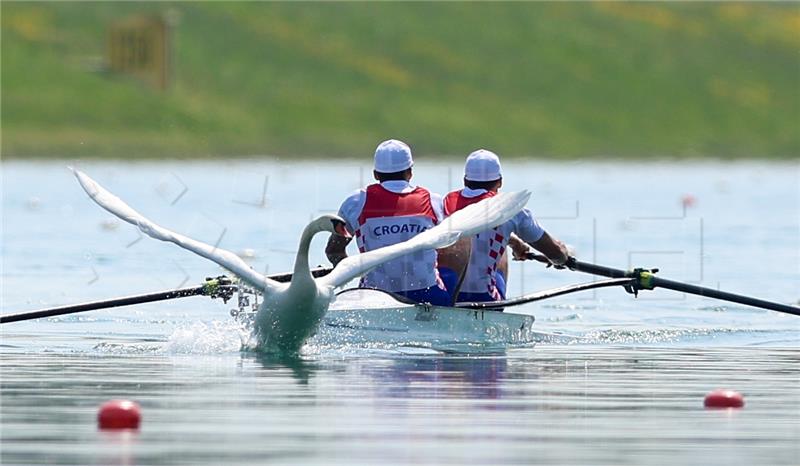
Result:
{"points": [[625, 386]]}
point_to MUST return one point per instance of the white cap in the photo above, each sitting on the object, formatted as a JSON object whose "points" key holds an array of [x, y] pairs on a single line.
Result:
{"points": [[393, 156], [482, 165]]}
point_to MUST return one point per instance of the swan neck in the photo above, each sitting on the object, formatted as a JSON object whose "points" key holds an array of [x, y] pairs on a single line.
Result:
{"points": [[301, 268]]}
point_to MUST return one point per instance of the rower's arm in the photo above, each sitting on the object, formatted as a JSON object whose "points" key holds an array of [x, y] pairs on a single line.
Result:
{"points": [[554, 249], [519, 248], [336, 248]]}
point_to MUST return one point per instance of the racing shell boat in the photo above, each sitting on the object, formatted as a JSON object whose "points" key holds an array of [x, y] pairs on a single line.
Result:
{"points": [[362, 315]]}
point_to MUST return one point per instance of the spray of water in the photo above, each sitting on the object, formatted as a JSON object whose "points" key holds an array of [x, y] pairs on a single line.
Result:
{"points": [[208, 338]]}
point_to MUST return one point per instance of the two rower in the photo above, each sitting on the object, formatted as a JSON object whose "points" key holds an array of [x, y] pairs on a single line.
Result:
{"points": [[393, 210]]}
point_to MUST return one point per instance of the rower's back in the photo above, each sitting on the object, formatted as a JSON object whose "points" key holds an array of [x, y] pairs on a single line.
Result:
{"points": [[487, 267], [388, 212]]}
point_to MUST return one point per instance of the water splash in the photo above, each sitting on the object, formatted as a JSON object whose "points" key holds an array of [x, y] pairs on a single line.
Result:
{"points": [[208, 338], [658, 336], [126, 348], [564, 318]]}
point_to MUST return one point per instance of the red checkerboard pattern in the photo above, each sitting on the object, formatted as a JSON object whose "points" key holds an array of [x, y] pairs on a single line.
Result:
{"points": [[496, 250]]}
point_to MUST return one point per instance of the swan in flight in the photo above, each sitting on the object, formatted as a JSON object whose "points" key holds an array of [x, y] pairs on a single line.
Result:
{"points": [[290, 312]]}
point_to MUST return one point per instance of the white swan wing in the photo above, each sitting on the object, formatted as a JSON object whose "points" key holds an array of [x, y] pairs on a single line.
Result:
{"points": [[468, 221], [226, 259]]}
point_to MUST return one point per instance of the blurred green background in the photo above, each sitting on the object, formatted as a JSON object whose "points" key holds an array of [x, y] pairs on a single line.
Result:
{"points": [[551, 80]]}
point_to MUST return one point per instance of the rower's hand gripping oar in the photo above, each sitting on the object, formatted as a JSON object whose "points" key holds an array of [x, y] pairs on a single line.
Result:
{"points": [[221, 287], [645, 279]]}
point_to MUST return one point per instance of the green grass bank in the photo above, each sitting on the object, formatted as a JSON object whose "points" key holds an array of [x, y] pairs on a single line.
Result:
{"points": [[554, 80]]}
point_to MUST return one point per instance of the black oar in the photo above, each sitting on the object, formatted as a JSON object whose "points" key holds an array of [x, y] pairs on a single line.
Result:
{"points": [[539, 295], [645, 279], [220, 287]]}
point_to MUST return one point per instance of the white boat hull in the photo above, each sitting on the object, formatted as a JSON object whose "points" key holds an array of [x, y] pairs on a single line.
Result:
{"points": [[362, 316]]}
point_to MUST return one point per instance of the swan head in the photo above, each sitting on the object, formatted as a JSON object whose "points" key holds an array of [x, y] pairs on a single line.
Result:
{"points": [[330, 223]]}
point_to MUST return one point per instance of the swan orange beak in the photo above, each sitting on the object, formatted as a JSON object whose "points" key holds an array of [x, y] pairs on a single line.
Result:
{"points": [[340, 229]]}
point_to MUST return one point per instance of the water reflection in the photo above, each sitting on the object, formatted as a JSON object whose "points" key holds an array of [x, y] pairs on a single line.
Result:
{"points": [[301, 369], [118, 447], [401, 377], [447, 377]]}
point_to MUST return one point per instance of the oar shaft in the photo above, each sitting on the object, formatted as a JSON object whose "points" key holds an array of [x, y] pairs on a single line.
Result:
{"points": [[212, 288], [654, 281], [94, 305], [552, 293], [595, 269], [724, 295], [287, 277]]}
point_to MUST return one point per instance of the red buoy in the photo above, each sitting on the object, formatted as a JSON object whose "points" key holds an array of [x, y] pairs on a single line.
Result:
{"points": [[119, 414], [687, 201], [722, 398]]}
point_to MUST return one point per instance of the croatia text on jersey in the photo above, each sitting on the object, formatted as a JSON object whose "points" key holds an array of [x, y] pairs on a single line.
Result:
{"points": [[381, 230]]}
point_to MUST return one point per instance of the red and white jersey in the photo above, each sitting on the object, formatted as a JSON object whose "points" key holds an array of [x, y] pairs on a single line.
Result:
{"points": [[489, 246], [389, 213]]}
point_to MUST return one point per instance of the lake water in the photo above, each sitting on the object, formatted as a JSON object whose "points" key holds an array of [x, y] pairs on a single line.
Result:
{"points": [[624, 386]]}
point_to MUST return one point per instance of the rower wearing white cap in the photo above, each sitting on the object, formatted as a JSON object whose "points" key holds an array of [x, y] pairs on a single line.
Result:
{"points": [[389, 212], [485, 279]]}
